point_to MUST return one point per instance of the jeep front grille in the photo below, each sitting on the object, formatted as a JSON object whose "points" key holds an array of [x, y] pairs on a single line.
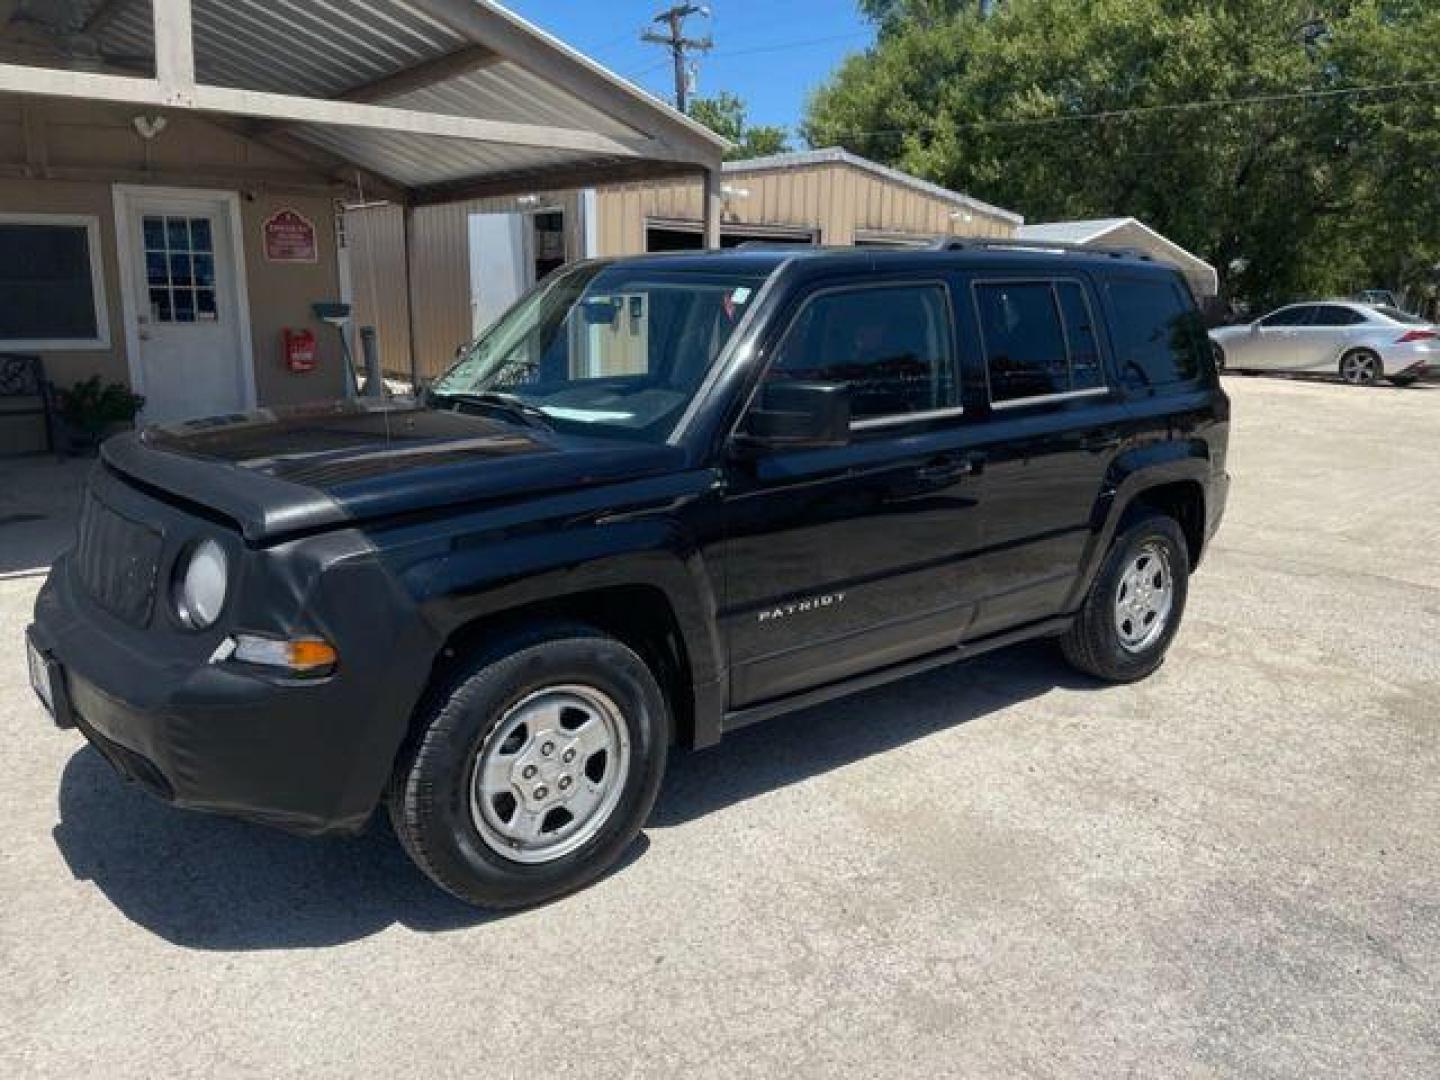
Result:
{"points": [[117, 561]]}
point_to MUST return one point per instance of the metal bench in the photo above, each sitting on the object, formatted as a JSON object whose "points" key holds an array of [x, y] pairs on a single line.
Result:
{"points": [[27, 406]]}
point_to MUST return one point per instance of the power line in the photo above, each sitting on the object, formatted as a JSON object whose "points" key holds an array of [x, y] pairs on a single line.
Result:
{"points": [[1143, 110], [781, 46]]}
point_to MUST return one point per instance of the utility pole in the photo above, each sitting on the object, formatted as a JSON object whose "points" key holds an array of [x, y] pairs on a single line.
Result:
{"points": [[673, 19]]}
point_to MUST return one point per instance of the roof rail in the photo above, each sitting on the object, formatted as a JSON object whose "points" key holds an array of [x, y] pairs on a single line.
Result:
{"points": [[777, 244], [963, 243]]}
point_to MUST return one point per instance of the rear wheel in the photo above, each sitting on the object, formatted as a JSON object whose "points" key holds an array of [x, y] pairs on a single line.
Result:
{"points": [[533, 768], [1361, 367], [1135, 604]]}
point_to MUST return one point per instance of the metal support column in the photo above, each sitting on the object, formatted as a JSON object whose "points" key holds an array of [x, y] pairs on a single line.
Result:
{"points": [[712, 208]]}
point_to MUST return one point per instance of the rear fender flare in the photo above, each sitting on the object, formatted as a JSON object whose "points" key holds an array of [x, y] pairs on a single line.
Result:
{"points": [[1130, 476]]}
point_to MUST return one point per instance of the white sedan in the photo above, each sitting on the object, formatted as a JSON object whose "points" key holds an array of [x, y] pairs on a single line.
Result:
{"points": [[1362, 343]]}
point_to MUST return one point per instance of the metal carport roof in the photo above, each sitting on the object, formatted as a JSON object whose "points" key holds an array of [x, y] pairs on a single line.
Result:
{"points": [[1099, 231], [436, 99]]}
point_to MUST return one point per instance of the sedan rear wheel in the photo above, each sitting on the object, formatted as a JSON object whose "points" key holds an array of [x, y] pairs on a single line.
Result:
{"points": [[1361, 367]]}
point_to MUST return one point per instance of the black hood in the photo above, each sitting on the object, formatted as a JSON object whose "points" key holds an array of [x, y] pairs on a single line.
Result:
{"points": [[280, 471]]}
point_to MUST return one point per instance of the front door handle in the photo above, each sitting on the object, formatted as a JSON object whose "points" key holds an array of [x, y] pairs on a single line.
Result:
{"points": [[946, 468]]}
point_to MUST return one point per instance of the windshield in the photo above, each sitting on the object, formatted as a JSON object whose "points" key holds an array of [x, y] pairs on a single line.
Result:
{"points": [[606, 349]]}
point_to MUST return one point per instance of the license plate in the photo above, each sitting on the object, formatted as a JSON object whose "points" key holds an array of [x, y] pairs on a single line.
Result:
{"points": [[40, 677]]}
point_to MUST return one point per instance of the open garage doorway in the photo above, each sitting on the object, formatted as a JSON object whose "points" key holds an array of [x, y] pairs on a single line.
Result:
{"points": [[690, 235], [509, 252]]}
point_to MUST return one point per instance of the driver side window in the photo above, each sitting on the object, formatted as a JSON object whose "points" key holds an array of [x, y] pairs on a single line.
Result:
{"points": [[892, 346]]}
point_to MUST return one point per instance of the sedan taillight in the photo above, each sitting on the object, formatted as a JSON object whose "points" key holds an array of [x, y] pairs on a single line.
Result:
{"points": [[1416, 335]]}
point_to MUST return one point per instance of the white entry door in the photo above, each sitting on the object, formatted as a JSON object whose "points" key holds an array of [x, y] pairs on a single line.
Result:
{"points": [[502, 265], [189, 334]]}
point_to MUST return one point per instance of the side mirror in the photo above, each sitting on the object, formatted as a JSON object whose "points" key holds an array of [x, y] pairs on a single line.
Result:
{"points": [[797, 415]]}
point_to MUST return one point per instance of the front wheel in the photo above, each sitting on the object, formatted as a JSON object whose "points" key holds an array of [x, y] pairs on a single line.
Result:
{"points": [[533, 767], [1135, 604]]}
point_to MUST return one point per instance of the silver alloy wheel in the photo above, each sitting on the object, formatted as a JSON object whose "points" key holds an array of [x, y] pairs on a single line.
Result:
{"points": [[1360, 368], [1144, 597], [549, 776]]}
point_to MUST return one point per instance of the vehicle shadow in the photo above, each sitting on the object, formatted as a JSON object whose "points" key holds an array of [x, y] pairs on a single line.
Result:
{"points": [[796, 747], [211, 883]]}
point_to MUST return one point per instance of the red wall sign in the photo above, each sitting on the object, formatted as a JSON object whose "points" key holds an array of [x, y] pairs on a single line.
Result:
{"points": [[290, 237]]}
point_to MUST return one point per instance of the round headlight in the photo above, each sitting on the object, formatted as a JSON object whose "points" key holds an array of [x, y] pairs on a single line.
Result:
{"points": [[200, 587]]}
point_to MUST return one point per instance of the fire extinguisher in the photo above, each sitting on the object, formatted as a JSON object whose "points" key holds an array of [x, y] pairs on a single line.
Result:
{"points": [[299, 349]]}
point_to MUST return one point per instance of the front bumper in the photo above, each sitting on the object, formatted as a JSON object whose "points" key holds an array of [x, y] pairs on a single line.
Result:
{"points": [[309, 756]]}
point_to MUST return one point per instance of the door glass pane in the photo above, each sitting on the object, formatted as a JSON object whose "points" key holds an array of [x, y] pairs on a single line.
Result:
{"points": [[154, 227], [157, 269], [891, 345], [160, 305], [180, 270], [177, 234], [1296, 316], [1334, 315], [200, 234], [184, 305], [205, 305], [204, 269], [1024, 348]]}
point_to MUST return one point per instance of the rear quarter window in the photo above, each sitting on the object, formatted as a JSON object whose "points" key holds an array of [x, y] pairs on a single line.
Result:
{"points": [[1159, 335]]}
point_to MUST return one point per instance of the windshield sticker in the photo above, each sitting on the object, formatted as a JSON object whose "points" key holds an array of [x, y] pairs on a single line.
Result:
{"points": [[736, 298]]}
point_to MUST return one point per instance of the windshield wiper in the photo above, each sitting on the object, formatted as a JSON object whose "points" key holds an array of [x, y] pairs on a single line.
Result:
{"points": [[527, 414]]}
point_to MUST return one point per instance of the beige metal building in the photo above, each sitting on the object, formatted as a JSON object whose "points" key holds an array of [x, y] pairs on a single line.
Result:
{"points": [[830, 197], [471, 259], [174, 173]]}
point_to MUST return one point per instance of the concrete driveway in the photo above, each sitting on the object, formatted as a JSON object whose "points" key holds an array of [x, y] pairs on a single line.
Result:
{"points": [[999, 869]]}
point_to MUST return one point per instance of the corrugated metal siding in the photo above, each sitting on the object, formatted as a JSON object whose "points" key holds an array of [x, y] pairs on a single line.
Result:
{"points": [[836, 198], [376, 240]]}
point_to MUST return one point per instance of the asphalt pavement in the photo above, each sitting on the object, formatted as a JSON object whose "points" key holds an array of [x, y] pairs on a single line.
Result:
{"points": [[998, 869]]}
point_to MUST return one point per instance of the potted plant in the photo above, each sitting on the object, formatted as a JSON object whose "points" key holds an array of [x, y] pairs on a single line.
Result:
{"points": [[92, 412]]}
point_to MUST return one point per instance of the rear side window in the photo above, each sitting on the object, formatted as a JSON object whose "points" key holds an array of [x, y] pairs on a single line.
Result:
{"points": [[1335, 315], [891, 345], [1039, 339], [1159, 337]]}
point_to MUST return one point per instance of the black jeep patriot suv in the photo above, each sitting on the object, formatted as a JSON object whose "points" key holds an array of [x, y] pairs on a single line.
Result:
{"points": [[662, 498]]}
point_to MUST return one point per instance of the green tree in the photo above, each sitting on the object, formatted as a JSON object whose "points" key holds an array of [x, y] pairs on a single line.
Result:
{"points": [[725, 115], [1066, 110]]}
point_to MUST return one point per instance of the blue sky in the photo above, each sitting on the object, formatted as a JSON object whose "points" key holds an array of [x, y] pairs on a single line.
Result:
{"points": [[770, 52]]}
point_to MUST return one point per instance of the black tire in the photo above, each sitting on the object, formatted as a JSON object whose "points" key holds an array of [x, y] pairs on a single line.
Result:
{"points": [[429, 797], [1093, 643], [1356, 376]]}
